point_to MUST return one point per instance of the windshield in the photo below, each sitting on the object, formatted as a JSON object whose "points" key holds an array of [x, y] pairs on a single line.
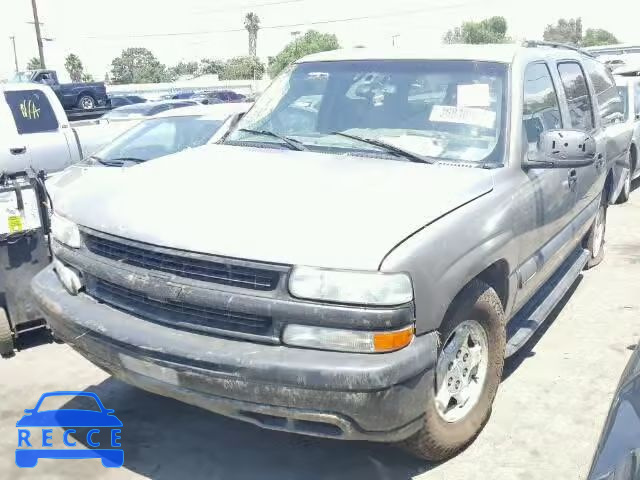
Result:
{"points": [[159, 137], [22, 77], [624, 94], [446, 110]]}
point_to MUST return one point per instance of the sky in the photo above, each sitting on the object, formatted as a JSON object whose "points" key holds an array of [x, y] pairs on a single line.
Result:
{"points": [[98, 30]]}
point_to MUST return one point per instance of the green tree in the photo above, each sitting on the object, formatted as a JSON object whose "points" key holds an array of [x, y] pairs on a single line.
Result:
{"points": [[243, 68], [74, 67], [211, 66], [137, 65], [489, 30], [311, 42], [87, 77], [598, 36], [252, 24], [564, 31], [34, 64], [183, 68]]}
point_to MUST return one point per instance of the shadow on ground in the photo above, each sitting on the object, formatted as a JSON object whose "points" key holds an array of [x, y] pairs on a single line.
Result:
{"points": [[165, 439]]}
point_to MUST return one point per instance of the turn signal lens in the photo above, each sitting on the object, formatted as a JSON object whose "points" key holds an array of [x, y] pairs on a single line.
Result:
{"points": [[339, 340], [390, 341]]}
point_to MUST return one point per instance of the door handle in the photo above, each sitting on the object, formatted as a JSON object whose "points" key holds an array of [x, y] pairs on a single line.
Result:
{"points": [[18, 150], [573, 178]]}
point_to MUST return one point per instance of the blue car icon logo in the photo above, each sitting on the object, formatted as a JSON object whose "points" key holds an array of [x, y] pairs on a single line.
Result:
{"points": [[29, 451]]}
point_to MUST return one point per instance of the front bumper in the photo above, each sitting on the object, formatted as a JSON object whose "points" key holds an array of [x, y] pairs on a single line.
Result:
{"points": [[377, 397]]}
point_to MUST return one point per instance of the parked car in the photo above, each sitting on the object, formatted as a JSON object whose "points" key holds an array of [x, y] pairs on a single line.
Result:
{"points": [[618, 454], [122, 100], [359, 277], [182, 95], [629, 89], [219, 96], [164, 134], [84, 95], [146, 109]]}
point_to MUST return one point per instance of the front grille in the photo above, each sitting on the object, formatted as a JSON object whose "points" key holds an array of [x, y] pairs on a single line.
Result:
{"points": [[177, 313], [183, 265]]}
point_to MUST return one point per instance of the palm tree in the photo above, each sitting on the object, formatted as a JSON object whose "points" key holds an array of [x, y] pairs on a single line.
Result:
{"points": [[252, 24]]}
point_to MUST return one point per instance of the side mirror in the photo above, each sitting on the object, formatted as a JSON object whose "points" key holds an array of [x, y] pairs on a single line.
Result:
{"points": [[564, 149], [637, 116]]}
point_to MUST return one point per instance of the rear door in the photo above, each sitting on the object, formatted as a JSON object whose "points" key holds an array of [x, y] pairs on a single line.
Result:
{"points": [[578, 101], [610, 118], [43, 139]]}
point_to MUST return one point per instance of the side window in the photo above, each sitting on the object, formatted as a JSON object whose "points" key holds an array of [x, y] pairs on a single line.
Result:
{"points": [[637, 99], [610, 104], [31, 111], [577, 93], [540, 110]]}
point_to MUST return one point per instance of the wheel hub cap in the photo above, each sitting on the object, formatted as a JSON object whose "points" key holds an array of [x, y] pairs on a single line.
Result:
{"points": [[461, 370]]}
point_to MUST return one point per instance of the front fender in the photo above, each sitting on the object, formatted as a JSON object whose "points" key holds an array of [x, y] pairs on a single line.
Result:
{"points": [[447, 254]]}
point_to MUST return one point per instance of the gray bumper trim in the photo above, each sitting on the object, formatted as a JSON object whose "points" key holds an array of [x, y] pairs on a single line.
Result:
{"points": [[331, 394]]}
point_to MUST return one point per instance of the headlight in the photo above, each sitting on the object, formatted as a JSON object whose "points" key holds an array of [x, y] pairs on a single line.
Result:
{"points": [[344, 286], [357, 341], [65, 231]]}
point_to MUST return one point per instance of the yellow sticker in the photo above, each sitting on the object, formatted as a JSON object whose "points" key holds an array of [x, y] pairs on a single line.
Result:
{"points": [[15, 224]]}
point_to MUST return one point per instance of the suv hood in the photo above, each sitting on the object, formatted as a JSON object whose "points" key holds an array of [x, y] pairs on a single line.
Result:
{"points": [[273, 205]]}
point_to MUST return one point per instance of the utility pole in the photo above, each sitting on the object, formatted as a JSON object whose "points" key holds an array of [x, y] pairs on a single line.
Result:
{"points": [[36, 22], [295, 36], [15, 55]]}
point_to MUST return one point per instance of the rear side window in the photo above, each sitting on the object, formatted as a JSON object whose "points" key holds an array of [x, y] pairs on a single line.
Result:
{"points": [[31, 111], [577, 93], [610, 104], [637, 99], [541, 110]]}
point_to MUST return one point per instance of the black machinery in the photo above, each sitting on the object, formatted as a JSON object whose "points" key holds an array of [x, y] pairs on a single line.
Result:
{"points": [[24, 251]]}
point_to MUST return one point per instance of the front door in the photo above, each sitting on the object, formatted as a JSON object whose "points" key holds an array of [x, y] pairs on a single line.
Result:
{"points": [[547, 195]]}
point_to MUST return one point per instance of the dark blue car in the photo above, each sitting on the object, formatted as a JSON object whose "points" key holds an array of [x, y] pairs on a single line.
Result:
{"points": [[28, 457]]}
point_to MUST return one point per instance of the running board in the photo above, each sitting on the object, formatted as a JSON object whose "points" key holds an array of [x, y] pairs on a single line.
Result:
{"points": [[535, 311]]}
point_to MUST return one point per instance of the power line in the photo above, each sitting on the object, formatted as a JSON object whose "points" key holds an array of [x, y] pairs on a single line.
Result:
{"points": [[288, 25]]}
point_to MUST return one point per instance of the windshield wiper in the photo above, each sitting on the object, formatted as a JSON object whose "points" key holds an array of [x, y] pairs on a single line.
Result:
{"points": [[390, 148], [118, 162], [292, 143]]}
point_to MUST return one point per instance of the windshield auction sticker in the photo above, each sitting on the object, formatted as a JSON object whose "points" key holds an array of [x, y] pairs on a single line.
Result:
{"points": [[92, 432], [465, 115]]}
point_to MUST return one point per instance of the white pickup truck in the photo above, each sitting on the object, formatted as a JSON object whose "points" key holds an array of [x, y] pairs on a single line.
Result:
{"points": [[35, 132]]}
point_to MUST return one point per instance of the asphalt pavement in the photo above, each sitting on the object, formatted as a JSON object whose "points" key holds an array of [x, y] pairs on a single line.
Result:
{"points": [[545, 423]]}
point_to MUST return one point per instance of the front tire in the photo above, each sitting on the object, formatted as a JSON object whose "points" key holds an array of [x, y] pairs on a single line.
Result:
{"points": [[595, 240], [86, 102], [450, 428]]}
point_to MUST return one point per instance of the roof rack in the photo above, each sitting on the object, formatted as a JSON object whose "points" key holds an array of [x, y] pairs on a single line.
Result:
{"points": [[542, 43]]}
